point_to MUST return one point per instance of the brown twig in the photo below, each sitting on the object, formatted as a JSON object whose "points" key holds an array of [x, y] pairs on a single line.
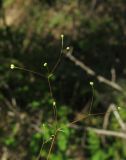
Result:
{"points": [[112, 108], [91, 72], [107, 132]]}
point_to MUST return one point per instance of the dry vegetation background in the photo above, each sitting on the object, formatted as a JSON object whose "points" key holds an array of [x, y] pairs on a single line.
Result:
{"points": [[30, 35]]}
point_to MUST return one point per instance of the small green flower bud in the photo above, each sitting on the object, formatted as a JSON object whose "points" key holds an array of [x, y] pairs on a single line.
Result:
{"points": [[54, 103], [12, 66], [62, 36], [91, 83], [119, 108], [45, 64], [67, 48]]}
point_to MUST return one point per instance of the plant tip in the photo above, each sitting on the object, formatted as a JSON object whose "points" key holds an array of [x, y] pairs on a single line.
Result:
{"points": [[45, 64], [62, 35], [67, 48], [119, 108], [54, 103], [12, 66], [91, 83]]}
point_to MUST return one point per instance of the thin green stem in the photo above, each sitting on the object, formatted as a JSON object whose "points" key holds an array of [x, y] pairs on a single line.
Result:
{"points": [[30, 71], [52, 144], [92, 99]]}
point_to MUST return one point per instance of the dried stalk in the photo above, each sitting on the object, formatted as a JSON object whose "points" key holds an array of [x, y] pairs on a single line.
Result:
{"points": [[91, 72], [107, 132]]}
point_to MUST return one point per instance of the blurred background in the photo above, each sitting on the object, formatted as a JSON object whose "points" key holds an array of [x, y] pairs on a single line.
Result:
{"points": [[30, 35]]}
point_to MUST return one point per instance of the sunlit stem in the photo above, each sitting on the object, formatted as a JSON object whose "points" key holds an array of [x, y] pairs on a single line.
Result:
{"points": [[12, 66], [92, 99], [51, 93], [62, 38]]}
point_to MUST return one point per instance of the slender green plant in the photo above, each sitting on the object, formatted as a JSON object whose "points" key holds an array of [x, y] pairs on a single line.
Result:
{"points": [[47, 77]]}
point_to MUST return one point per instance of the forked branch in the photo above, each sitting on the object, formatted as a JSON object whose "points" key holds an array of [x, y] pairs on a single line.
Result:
{"points": [[113, 108], [91, 72]]}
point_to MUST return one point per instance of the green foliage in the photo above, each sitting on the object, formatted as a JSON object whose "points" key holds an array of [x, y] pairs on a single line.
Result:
{"points": [[95, 148], [10, 142], [8, 3], [34, 143], [63, 139]]}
